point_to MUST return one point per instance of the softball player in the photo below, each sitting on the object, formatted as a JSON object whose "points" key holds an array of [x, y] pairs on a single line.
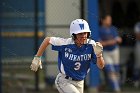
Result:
{"points": [[110, 39], [74, 57]]}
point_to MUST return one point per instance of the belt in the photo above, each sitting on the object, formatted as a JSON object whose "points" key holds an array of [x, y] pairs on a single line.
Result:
{"points": [[67, 77]]}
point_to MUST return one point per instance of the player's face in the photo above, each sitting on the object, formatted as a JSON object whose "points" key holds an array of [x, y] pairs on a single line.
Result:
{"points": [[108, 21], [81, 38]]}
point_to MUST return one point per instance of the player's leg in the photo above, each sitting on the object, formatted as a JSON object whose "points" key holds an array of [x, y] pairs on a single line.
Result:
{"points": [[107, 57], [116, 59], [79, 85], [112, 78], [116, 72], [110, 71], [108, 65], [64, 85], [108, 61]]}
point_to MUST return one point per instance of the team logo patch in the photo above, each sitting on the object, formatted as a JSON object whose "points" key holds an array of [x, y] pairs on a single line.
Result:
{"points": [[81, 26]]}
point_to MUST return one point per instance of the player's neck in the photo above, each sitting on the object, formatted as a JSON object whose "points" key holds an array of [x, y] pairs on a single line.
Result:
{"points": [[79, 43]]}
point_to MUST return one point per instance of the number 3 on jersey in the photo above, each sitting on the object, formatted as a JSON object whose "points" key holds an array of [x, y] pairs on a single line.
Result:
{"points": [[77, 65]]}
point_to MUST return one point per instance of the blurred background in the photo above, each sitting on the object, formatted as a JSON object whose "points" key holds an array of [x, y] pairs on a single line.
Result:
{"points": [[25, 23]]}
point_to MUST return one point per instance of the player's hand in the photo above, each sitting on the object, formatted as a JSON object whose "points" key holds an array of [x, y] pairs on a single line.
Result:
{"points": [[36, 63], [98, 49]]}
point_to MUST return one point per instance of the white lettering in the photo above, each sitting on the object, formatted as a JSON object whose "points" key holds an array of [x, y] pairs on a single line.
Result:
{"points": [[78, 58], [72, 57], [66, 54], [85, 57], [82, 57]]}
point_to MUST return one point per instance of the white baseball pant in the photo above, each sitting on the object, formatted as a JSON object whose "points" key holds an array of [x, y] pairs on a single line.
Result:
{"points": [[68, 85], [112, 57]]}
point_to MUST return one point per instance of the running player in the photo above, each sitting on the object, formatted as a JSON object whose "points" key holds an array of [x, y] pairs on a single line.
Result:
{"points": [[74, 57]]}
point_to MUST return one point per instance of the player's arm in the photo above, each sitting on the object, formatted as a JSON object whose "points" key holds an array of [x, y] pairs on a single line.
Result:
{"points": [[100, 62], [112, 41], [43, 46], [108, 42], [36, 62], [118, 39]]}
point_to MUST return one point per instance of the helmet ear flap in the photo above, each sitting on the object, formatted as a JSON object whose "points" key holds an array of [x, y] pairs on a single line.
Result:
{"points": [[88, 36], [73, 36]]}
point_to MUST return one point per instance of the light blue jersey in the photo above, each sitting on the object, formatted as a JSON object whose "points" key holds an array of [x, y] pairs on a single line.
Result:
{"points": [[74, 61]]}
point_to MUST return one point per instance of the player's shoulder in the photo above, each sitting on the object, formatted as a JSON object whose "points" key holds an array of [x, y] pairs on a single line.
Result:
{"points": [[60, 41], [91, 41]]}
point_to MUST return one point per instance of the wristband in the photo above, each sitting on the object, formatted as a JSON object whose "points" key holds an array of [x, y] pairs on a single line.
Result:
{"points": [[37, 56]]}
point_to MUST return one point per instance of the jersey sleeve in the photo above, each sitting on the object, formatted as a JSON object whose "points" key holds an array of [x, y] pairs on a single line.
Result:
{"points": [[58, 43], [92, 42], [94, 59]]}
